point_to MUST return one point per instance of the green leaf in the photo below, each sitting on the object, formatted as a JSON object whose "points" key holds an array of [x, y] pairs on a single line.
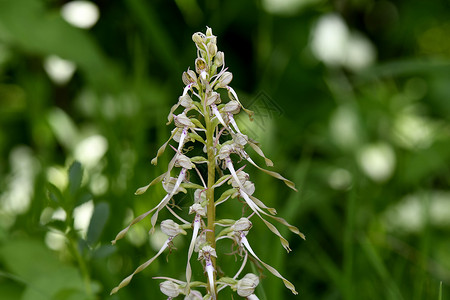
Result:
{"points": [[75, 177], [39, 268], [103, 251], [83, 199], [57, 225], [197, 123], [225, 195], [440, 291], [17, 18], [222, 180], [142, 190], [54, 194], [190, 185], [196, 137], [97, 223], [199, 159], [71, 294]]}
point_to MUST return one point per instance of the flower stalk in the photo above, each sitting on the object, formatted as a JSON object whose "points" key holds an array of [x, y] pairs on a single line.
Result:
{"points": [[211, 208], [203, 119]]}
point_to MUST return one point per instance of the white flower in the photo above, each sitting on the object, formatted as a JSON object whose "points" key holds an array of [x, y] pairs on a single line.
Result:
{"points": [[169, 288], [246, 286]]}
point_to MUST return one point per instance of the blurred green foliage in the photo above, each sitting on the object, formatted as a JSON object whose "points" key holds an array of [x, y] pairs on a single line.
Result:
{"points": [[368, 147]]}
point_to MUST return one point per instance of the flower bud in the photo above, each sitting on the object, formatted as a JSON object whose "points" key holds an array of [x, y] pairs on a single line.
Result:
{"points": [[224, 80], [182, 121], [232, 107], [189, 77], [194, 295], [240, 139], [242, 176], [208, 31], [185, 101], [184, 162], [212, 49], [249, 187], [213, 98], [169, 288], [199, 38], [199, 242], [177, 132], [204, 147], [201, 65], [243, 224], [168, 186], [219, 59], [171, 228], [207, 251], [225, 151], [210, 37], [198, 209], [204, 77], [199, 196], [246, 286]]}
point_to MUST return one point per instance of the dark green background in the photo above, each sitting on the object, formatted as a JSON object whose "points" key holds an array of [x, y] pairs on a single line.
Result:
{"points": [[366, 238]]}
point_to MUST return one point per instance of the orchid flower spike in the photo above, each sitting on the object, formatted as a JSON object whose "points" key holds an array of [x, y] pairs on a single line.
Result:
{"points": [[204, 117]]}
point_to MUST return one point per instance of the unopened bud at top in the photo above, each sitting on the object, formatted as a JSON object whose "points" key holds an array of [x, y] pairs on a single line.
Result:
{"points": [[219, 59], [212, 49], [169, 288], [208, 31], [246, 286], [171, 228], [199, 38], [210, 37]]}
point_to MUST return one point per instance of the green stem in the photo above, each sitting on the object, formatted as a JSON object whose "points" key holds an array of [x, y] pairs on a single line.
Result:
{"points": [[82, 265], [211, 209]]}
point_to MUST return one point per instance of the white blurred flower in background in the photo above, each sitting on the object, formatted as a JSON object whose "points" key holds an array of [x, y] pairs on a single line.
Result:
{"points": [[334, 44], [82, 14]]}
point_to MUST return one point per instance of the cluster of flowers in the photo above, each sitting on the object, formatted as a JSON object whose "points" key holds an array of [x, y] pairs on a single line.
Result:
{"points": [[206, 120]]}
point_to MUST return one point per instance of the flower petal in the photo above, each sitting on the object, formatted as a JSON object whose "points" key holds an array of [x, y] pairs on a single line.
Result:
{"points": [[274, 174], [122, 233], [268, 267], [191, 250], [127, 280], [258, 150], [162, 149]]}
